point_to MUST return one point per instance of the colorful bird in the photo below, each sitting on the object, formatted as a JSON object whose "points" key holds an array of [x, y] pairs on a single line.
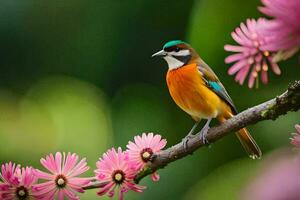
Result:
{"points": [[196, 89]]}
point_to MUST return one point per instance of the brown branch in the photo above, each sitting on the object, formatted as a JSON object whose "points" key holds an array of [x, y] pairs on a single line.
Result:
{"points": [[288, 101]]}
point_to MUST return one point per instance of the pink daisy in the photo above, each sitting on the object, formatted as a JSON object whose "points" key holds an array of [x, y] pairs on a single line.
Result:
{"points": [[17, 182], [62, 181], [284, 29], [141, 150], [278, 178], [117, 172], [249, 57], [296, 137]]}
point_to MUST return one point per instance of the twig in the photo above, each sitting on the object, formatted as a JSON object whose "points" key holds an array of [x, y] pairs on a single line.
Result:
{"points": [[288, 101]]}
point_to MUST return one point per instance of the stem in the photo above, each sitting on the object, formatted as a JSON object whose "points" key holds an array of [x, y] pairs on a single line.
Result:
{"points": [[94, 185]]}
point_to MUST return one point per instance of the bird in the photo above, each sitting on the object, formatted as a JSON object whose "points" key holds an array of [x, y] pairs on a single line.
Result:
{"points": [[197, 90]]}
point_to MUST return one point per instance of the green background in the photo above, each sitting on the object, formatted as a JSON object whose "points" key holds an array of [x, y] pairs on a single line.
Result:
{"points": [[78, 76]]}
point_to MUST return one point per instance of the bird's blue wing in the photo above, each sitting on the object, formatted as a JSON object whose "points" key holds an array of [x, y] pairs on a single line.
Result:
{"points": [[213, 83]]}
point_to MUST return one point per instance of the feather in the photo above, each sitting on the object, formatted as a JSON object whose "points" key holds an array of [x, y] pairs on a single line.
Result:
{"points": [[211, 80]]}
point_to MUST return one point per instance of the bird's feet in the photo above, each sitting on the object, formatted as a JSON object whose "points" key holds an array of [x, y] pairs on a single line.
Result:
{"points": [[189, 136], [186, 139], [203, 134]]}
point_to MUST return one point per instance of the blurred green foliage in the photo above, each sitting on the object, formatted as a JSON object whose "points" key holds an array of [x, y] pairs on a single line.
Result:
{"points": [[77, 76], [225, 182]]}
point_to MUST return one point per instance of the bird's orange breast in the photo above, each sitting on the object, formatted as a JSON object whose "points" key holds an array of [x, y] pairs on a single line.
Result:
{"points": [[190, 93]]}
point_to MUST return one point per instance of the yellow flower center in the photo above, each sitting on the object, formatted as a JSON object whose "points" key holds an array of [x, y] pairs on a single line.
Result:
{"points": [[118, 176], [146, 155], [60, 181], [21, 193]]}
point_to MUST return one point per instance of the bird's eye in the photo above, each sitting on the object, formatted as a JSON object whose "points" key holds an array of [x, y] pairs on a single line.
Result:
{"points": [[177, 49]]}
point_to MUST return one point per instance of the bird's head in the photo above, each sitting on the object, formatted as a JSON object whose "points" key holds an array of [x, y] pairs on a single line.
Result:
{"points": [[177, 53]]}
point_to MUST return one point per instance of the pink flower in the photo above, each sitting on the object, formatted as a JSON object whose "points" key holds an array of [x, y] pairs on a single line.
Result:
{"points": [[284, 29], [62, 181], [17, 182], [141, 150], [279, 179], [296, 137], [249, 56], [117, 172]]}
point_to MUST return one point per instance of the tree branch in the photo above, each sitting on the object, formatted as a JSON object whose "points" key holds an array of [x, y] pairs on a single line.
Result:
{"points": [[288, 101]]}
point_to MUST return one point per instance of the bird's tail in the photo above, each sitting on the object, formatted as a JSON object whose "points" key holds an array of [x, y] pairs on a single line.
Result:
{"points": [[246, 140], [249, 143]]}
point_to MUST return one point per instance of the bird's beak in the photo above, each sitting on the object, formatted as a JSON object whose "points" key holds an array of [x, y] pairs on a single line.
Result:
{"points": [[160, 53]]}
